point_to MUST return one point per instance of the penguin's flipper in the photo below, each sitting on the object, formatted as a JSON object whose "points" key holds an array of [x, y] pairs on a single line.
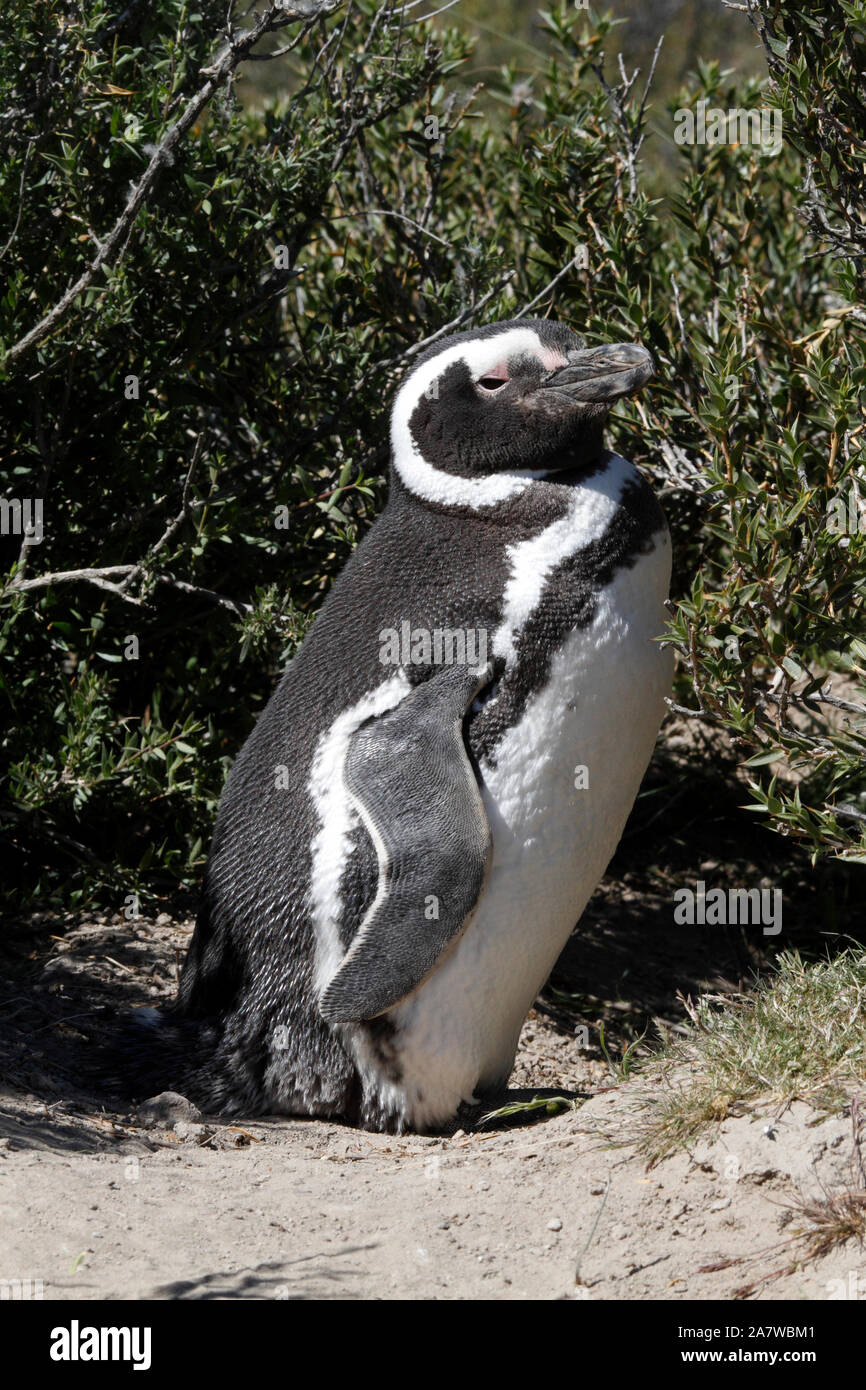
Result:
{"points": [[410, 777]]}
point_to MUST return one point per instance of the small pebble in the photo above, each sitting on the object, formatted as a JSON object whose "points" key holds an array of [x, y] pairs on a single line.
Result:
{"points": [[185, 1129], [554, 1224], [164, 1110]]}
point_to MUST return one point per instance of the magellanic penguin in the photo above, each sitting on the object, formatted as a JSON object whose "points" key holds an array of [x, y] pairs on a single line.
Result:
{"points": [[422, 811]]}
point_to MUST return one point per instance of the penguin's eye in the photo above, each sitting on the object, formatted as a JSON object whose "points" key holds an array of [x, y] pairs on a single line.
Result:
{"points": [[491, 382]]}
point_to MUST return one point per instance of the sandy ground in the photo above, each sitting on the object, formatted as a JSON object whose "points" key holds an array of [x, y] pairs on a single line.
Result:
{"points": [[98, 1205], [304, 1210]]}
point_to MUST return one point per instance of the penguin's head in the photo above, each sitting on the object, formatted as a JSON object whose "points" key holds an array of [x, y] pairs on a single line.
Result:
{"points": [[483, 413]]}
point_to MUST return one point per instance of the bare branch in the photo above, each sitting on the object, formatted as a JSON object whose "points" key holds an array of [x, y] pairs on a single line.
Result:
{"points": [[99, 577], [848, 812], [703, 714], [676, 289], [618, 97], [181, 584], [456, 323], [24, 163], [551, 285], [420, 19], [825, 698], [184, 514], [389, 212]]}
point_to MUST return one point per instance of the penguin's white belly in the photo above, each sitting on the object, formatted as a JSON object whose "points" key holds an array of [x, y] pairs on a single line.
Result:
{"points": [[553, 838]]}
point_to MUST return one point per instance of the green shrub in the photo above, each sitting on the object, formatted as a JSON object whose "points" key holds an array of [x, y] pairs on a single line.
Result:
{"points": [[205, 417]]}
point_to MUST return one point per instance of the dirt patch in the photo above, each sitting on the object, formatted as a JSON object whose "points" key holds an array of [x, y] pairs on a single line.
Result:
{"points": [[96, 1205]]}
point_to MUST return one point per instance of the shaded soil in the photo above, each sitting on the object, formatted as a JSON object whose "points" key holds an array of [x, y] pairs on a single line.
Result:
{"points": [[97, 1205]]}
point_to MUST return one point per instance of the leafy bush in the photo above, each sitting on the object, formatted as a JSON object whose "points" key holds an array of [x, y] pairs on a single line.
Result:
{"points": [[204, 415]]}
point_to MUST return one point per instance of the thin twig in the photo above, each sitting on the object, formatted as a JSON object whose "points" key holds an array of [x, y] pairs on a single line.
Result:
{"points": [[420, 19], [31, 142], [455, 323], [677, 311], [45, 581], [589, 1238], [846, 812], [693, 713], [551, 285], [183, 515], [198, 592], [389, 212]]}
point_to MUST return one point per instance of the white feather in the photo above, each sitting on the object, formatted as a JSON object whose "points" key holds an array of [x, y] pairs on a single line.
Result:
{"points": [[337, 817], [592, 507], [421, 477], [601, 707]]}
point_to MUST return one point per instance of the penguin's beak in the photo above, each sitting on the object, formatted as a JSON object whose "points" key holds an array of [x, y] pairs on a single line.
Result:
{"points": [[602, 374]]}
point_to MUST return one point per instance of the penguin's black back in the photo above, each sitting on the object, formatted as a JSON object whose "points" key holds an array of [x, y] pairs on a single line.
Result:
{"points": [[246, 991]]}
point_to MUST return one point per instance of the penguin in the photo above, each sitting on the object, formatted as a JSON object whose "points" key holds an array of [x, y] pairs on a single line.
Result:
{"points": [[421, 813]]}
